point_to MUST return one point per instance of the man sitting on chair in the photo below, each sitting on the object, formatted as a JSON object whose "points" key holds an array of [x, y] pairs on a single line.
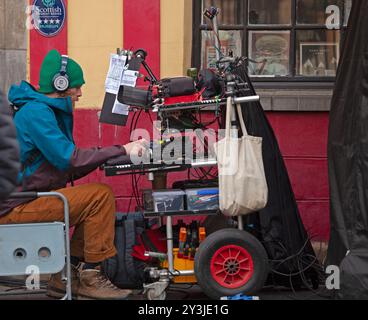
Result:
{"points": [[50, 159]]}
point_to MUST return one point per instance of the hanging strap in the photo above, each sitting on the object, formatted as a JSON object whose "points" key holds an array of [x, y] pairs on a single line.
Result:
{"points": [[229, 110], [229, 107], [241, 119]]}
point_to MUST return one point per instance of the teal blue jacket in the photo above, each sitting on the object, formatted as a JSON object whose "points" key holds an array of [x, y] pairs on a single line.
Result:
{"points": [[45, 132]]}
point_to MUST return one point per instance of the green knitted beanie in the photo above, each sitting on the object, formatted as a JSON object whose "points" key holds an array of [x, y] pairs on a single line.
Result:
{"points": [[51, 65]]}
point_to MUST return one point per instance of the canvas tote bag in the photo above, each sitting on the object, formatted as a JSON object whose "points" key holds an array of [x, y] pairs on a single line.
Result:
{"points": [[242, 180]]}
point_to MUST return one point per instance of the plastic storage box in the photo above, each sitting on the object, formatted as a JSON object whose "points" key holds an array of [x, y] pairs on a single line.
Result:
{"points": [[180, 265], [202, 199], [168, 200]]}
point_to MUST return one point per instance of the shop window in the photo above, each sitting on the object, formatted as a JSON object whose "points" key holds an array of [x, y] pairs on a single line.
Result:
{"points": [[313, 12], [269, 12], [285, 40], [230, 13], [231, 41]]}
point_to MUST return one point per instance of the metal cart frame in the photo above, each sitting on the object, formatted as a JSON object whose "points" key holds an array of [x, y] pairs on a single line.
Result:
{"points": [[157, 290], [67, 267]]}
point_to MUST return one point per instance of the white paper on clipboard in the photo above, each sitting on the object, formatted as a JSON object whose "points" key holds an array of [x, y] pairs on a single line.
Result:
{"points": [[129, 79], [115, 74]]}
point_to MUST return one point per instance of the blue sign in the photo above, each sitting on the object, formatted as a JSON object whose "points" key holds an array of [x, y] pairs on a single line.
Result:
{"points": [[49, 16]]}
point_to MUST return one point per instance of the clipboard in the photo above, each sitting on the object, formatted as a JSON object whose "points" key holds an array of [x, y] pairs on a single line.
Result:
{"points": [[107, 116]]}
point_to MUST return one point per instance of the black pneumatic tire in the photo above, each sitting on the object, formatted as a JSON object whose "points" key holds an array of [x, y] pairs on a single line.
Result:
{"points": [[208, 253]]}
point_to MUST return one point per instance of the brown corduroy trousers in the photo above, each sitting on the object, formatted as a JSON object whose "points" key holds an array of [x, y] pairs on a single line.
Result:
{"points": [[92, 213]]}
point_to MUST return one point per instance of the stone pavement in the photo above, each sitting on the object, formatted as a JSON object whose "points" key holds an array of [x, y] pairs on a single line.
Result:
{"points": [[180, 292]]}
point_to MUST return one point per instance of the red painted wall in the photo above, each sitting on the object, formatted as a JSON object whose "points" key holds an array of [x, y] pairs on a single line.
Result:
{"points": [[142, 30], [303, 142], [40, 46]]}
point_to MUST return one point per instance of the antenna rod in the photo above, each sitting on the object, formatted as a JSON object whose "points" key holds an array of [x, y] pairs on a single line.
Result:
{"points": [[212, 15]]}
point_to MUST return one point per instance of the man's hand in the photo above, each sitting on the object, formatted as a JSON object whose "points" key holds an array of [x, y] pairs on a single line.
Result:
{"points": [[137, 148]]}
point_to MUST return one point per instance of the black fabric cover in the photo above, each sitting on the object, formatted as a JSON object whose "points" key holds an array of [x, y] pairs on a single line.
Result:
{"points": [[348, 160], [9, 151], [209, 80], [279, 225], [179, 86]]}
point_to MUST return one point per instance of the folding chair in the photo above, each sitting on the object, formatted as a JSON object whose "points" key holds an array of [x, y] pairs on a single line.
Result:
{"points": [[43, 245]]}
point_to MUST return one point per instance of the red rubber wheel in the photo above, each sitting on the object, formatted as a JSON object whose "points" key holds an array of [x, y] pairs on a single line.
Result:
{"points": [[232, 266], [229, 262]]}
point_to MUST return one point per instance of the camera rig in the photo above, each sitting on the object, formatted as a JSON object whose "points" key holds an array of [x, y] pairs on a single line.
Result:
{"points": [[179, 100]]}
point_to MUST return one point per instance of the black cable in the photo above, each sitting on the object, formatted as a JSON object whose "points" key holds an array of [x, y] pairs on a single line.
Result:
{"points": [[315, 292], [130, 202], [135, 190], [304, 263], [137, 119], [150, 116], [131, 124], [138, 197], [134, 180]]}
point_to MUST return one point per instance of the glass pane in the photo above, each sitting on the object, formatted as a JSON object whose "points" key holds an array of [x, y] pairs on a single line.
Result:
{"points": [[270, 12], [229, 11], [317, 53], [314, 11], [270, 51], [230, 41], [348, 4]]}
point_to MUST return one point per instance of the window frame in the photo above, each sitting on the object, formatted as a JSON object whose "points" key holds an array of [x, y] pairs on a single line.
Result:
{"points": [[290, 82]]}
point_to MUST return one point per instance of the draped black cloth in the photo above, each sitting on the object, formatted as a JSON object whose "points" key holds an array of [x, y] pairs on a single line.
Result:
{"points": [[348, 160]]}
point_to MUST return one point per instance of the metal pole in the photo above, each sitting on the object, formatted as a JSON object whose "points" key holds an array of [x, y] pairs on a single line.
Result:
{"points": [[240, 223], [67, 240], [238, 100], [217, 36], [170, 244], [181, 273]]}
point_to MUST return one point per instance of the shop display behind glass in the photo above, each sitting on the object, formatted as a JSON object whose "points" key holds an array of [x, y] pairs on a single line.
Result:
{"points": [[318, 53], [271, 50]]}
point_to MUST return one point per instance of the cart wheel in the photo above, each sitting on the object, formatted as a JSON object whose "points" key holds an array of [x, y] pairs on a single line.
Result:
{"points": [[152, 295], [230, 262]]}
